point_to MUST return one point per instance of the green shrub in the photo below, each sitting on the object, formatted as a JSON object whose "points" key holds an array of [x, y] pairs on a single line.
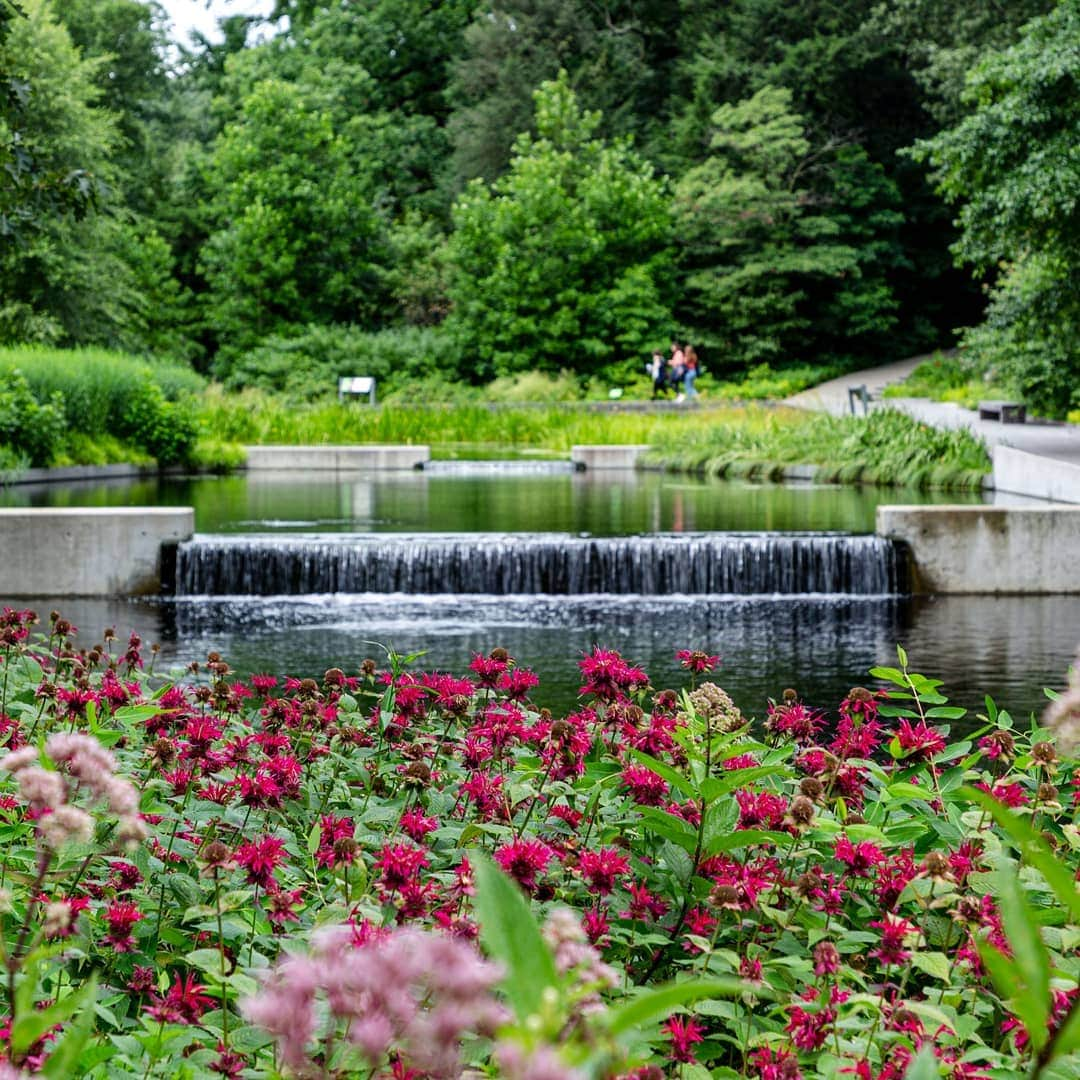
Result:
{"points": [[28, 428], [167, 429], [308, 364], [534, 386], [766, 383], [954, 376], [103, 396]]}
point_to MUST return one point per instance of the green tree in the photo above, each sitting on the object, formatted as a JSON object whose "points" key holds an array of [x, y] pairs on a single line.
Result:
{"points": [[777, 269], [562, 263], [1013, 165], [618, 56], [297, 238]]}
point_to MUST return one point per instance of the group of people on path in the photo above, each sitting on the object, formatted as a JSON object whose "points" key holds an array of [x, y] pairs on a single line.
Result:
{"points": [[677, 373]]}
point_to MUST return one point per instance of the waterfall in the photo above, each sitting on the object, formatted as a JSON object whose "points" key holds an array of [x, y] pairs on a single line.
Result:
{"points": [[537, 564]]}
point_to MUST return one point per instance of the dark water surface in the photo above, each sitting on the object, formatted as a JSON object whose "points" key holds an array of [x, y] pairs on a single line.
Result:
{"points": [[526, 498], [1009, 647]]}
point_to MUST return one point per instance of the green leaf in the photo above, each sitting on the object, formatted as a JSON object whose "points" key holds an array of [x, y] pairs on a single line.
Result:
{"points": [[509, 932], [1030, 957], [31, 1026], [946, 712], [65, 1055], [669, 827], [646, 1007], [935, 964], [924, 1066], [745, 838], [889, 674], [909, 791], [1033, 849], [901, 655], [1007, 979]]}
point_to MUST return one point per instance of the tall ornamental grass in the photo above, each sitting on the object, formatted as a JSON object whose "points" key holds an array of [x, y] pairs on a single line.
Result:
{"points": [[885, 448], [107, 396]]}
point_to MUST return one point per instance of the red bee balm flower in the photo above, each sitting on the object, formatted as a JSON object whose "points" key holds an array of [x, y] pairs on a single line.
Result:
{"points": [[684, 1034], [260, 858], [602, 868], [696, 661], [183, 1004], [523, 860], [121, 915]]}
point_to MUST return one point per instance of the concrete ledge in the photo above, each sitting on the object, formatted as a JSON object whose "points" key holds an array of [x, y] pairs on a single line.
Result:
{"points": [[1021, 473], [607, 457], [88, 551], [988, 549], [337, 458]]}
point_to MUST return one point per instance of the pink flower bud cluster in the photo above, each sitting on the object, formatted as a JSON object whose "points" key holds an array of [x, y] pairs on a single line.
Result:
{"points": [[410, 991], [576, 959], [83, 766]]}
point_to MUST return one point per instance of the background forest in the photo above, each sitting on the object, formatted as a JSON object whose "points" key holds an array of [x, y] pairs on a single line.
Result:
{"points": [[459, 190]]}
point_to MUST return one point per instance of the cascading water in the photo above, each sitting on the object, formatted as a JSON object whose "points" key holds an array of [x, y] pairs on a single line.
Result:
{"points": [[658, 565]]}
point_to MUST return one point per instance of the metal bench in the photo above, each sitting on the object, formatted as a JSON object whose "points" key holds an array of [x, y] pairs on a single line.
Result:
{"points": [[1008, 412], [356, 385]]}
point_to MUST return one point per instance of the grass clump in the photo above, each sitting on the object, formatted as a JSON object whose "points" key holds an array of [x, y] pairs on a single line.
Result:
{"points": [[251, 417], [885, 448], [950, 377]]}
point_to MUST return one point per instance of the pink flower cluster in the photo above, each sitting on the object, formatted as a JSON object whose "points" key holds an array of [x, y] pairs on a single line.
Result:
{"points": [[84, 765], [418, 992]]}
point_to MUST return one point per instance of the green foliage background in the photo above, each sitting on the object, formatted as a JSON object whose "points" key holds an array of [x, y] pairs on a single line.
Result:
{"points": [[545, 185]]}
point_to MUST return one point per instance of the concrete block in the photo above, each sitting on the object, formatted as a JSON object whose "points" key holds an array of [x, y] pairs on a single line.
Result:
{"points": [[607, 457], [988, 549], [87, 551], [349, 458], [1037, 475]]}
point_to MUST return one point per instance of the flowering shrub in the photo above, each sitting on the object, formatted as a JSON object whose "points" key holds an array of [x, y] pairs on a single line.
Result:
{"points": [[417, 874]]}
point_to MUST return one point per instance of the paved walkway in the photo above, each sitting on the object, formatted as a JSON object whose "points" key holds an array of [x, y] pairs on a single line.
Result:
{"points": [[1046, 438]]}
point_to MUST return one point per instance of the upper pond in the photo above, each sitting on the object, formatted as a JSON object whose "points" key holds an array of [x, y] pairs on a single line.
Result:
{"points": [[452, 498]]}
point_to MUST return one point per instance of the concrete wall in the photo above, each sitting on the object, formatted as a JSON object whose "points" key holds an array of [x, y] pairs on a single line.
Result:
{"points": [[606, 457], [339, 458], [1021, 473], [87, 552], [988, 549]]}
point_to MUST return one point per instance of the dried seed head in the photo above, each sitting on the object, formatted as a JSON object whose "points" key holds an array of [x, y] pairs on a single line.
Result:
{"points": [[368, 669], [1044, 753], [1047, 793], [418, 773], [216, 856], [801, 810], [725, 896], [811, 787], [790, 696], [937, 866]]}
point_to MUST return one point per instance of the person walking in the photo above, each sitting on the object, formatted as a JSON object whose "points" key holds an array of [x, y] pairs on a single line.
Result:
{"points": [[658, 376], [691, 372], [678, 369]]}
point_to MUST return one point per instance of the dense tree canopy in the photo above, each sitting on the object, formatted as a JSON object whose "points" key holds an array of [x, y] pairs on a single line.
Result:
{"points": [[1013, 165], [739, 174], [563, 262]]}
